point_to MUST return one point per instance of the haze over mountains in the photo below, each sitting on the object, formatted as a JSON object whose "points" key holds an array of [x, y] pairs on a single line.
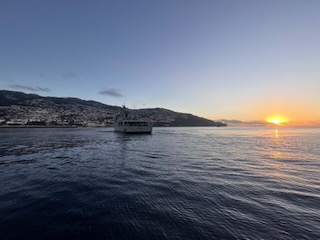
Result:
{"points": [[18, 108]]}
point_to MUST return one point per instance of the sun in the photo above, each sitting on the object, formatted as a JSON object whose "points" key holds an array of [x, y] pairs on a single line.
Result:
{"points": [[277, 120]]}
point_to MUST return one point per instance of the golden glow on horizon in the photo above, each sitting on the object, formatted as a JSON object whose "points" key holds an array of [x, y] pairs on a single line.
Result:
{"points": [[278, 120]]}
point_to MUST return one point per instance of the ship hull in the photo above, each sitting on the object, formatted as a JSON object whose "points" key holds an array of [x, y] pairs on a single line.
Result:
{"points": [[133, 127]]}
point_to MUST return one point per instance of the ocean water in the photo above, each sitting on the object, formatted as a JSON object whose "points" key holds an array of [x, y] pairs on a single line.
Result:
{"points": [[176, 183]]}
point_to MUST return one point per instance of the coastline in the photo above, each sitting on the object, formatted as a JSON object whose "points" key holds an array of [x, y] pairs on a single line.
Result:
{"points": [[35, 126]]}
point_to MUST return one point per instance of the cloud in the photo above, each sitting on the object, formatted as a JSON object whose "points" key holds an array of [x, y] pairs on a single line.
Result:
{"points": [[43, 89], [29, 88], [111, 92]]}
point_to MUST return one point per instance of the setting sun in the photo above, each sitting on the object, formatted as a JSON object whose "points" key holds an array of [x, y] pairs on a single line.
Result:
{"points": [[278, 120]]}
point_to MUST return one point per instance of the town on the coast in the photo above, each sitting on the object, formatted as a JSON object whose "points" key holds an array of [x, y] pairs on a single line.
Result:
{"points": [[21, 109]]}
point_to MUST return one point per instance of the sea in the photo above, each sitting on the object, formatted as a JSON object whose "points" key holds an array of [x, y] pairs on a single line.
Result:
{"points": [[176, 183]]}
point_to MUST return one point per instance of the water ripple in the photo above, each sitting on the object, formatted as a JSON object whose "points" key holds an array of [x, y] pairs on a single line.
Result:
{"points": [[177, 183]]}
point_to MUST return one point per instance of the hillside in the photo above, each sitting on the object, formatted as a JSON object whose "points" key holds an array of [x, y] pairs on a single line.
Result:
{"points": [[18, 108]]}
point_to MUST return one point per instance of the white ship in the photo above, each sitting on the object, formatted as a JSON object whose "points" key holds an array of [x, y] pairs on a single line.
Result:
{"points": [[123, 123]]}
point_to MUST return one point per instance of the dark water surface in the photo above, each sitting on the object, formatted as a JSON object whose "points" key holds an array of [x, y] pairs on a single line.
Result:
{"points": [[177, 183]]}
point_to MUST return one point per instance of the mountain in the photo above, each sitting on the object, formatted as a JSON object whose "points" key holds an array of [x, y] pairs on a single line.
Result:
{"points": [[239, 123], [18, 108]]}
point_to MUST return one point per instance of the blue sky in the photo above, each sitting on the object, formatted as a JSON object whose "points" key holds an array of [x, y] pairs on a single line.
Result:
{"points": [[217, 59]]}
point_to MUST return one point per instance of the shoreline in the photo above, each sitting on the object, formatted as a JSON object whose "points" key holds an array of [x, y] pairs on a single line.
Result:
{"points": [[35, 126], [24, 126]]}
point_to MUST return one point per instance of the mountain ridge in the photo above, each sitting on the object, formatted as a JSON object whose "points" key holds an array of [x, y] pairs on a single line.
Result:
{"points": [[19, 108]]}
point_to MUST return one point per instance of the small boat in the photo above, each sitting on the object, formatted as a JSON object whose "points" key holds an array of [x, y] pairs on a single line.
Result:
{"points": [[123, 123]]}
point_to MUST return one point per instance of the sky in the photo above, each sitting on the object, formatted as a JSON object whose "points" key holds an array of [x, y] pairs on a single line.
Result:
{"points": [[220, 59]]}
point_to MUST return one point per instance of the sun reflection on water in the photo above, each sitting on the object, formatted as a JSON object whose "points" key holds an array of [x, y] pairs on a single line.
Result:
{"points": [[276, 133], [278, 153]]}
